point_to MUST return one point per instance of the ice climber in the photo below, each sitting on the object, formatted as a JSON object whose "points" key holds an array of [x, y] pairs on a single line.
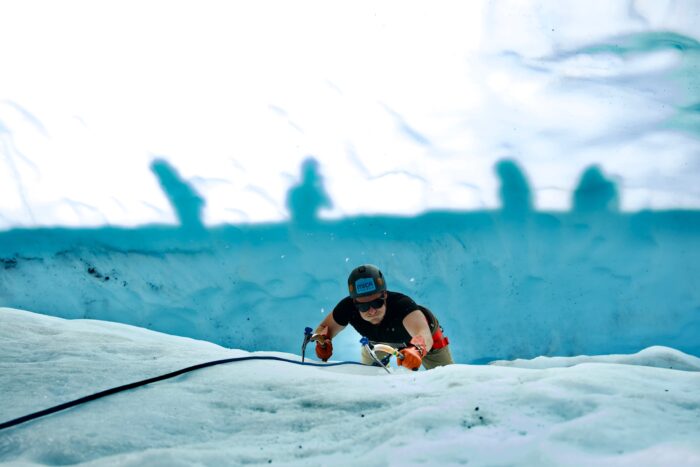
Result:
{"points": [[385, 317]]}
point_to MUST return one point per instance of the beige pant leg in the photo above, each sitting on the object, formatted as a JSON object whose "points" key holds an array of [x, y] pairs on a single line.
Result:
{"points": [[438, 357]]}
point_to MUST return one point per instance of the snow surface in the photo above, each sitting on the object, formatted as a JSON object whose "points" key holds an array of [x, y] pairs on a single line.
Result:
{"points": [[606, 410]]}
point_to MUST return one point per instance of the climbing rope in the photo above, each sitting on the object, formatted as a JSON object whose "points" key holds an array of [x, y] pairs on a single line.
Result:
{"points": [[126, 387]]}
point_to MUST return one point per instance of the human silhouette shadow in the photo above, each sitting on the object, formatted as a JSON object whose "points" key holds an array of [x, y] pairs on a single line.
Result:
{"points": [[183, 198], [515, 192], [595, 193], [307, 198]]}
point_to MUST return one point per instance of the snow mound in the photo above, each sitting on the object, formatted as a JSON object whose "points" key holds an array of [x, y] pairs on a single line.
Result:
{"points": [[655, 356], [271, 412]]}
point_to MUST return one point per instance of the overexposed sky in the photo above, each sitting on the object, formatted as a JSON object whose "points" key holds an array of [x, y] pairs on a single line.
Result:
{"points": [[406, 106]]}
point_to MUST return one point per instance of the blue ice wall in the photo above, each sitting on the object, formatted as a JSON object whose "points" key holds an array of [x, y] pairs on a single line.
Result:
{"points": [[504, 283]]}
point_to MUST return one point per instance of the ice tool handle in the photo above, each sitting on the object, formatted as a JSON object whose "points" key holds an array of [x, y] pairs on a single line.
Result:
{"points": [[307, 339], [382, 348]]}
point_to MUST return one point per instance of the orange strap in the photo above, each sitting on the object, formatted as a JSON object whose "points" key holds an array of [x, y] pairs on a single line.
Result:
{"points": [[439, 340]]}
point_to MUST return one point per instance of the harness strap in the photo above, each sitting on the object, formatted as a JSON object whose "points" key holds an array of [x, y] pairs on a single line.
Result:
{"points": [[439, 340]]}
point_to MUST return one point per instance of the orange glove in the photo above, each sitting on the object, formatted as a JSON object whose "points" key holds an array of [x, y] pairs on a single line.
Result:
{"points": [[324, 351], [413, 354], [324, 346]]}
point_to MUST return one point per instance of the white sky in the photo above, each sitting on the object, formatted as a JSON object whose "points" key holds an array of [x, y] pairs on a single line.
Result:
{"points": [[628, 410], [237, 94]]}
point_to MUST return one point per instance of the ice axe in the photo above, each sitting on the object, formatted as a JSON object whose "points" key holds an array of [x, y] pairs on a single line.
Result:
{"points": [[381, 348], [308, 337]]}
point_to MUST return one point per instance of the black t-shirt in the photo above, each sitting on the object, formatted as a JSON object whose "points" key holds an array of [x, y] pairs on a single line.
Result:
{"points": [[391, 329]]}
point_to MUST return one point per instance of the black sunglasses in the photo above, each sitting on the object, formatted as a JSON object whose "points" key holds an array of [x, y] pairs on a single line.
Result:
{"points": [[363, 307]]}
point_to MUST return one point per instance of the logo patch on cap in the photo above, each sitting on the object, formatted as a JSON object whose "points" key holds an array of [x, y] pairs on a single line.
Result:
{"points": [[365, 285]]}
